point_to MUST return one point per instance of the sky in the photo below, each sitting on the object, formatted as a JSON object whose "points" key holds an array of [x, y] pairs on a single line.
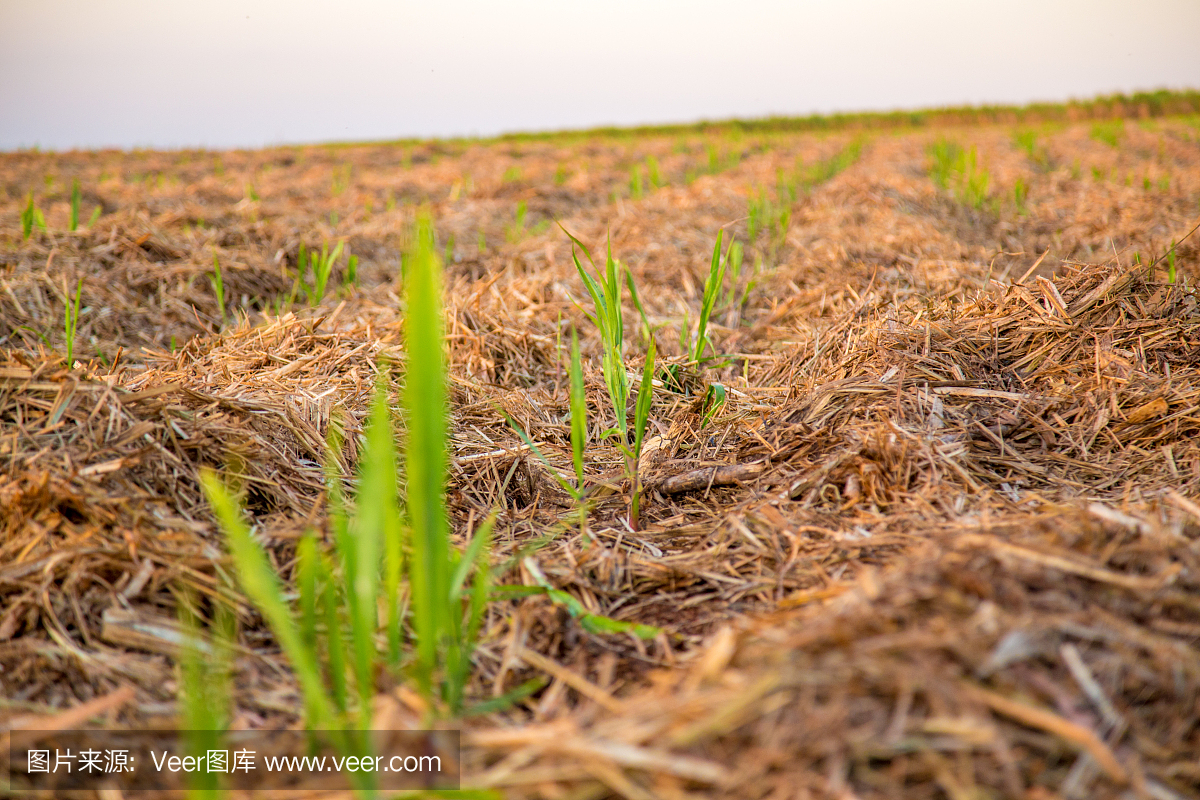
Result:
{"points": [[249, 73]]}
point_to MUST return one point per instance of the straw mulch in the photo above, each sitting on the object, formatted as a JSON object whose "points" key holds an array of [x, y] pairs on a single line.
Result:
{"points": [[941, 540]]}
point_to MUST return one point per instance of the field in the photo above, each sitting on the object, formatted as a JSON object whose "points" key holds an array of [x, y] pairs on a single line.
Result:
{"points": [[922, 520]]}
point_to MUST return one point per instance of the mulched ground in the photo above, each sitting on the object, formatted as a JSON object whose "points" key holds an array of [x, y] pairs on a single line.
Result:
{"points": [[943, 539]]}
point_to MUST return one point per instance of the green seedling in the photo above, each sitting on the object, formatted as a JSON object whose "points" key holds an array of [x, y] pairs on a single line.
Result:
{"points": [[1027, 141], [340, 181], [712, 287], [733, 277], [1171, 264], [343, 594], [516, 231], [204, 680], [714, 400], [641, 417], [636, 190], [71, 321], [511, 175], [75, 201], [324, 708], [507, 700], [1110, 133], [95, 216], [27, 218], [756, 210], [952, 167], [218, 287], [1020, 195], [578, 406], [448, 254], [943, 156], [653, 172], [592, 623], [826, 169], [321, 267], [605, 290], [444, 640], [560, 175]]}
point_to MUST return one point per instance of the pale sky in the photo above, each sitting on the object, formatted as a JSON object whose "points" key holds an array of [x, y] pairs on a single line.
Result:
{"points": [[247, 73]]}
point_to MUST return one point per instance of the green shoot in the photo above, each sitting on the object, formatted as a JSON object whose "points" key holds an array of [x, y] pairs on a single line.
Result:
{"points": [[336, 672], [579, 407], [516, 231], [95, 216], [262, 586], [204, 679], [605, 290], [592, 623], [755, 212], [636, 190], [71, 322], [1171, 264], [27, 218], [321, 267], [641, 416], [943, 155], [508, 699], [1110, 133], [424, 399], [952, 167], [714, 401], [712, 286], [442, 640], [75, 200], [218, 287], [656, 180], [1027, 141], [827, 169], [1020, 195]]}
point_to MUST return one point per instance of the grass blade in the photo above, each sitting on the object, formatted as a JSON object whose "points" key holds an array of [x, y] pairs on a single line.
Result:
{"points": [[578, 411], [716, 275], [262, 586], [75, 201], [425, 402]]}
